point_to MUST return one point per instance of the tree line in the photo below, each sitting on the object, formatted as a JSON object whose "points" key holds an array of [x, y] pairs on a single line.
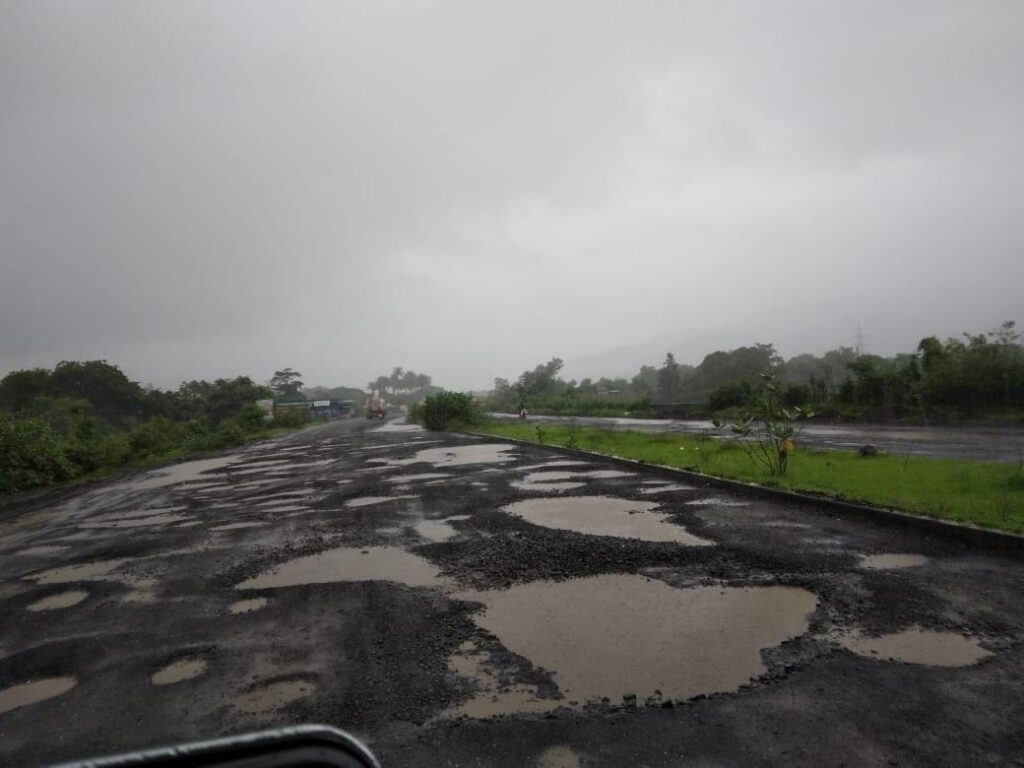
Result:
{"points": [[976, 375], [86, 417]]}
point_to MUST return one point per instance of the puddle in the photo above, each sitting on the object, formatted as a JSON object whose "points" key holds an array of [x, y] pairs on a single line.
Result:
{"points": [[438, 530], [137, 522], [551, 464], [398, 426], [366, 501], [524, 485], [60, 600], [179, 671], [413, 478], [604, 516], [784, 524], [558, 757], [97, 571], [671, 487], [46, 549], [547, 477], [918, 646], [461, 455], [274, 696], [188, 471], [618, 635], [490, 698], [717, 501], [891, 561], [236, 526], [247, 606], [33, 692], [349, 564], [607, 474]]}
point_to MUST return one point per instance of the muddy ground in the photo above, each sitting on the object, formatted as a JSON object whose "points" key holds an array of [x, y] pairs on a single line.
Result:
{"points": [[461, 602]]}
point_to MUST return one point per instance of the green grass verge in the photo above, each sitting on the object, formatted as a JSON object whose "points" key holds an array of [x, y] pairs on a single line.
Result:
{"points": [[988, 494]]}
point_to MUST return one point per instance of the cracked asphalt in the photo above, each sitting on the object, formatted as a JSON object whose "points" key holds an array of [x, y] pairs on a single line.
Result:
{"points": [[378, 579]]}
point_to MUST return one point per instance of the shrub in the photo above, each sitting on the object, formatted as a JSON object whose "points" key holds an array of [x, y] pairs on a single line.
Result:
{"points": [[31, 454], [448, 411]]}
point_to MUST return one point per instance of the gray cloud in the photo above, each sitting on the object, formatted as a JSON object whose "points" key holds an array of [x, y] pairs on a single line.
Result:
{"points": [[196, 190]]}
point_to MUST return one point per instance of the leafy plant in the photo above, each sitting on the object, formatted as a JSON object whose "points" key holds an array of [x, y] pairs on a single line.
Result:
{"points": [[766, 429], [449, 410]]}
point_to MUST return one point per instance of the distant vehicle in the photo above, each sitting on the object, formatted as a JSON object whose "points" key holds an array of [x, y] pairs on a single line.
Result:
{"points": [[376, 408]]}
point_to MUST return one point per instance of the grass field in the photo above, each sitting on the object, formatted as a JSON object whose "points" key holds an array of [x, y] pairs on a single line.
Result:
{"points": [[988, 494]]}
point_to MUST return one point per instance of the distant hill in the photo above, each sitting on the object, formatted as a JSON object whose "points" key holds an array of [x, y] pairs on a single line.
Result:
{"points": [[625, 361]]}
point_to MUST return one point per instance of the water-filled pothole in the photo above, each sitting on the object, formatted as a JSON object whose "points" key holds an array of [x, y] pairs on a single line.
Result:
{"points": [[179, 671], [60, 600], [368, 501], [615, 636], [273, 696], [236, 526], [348, 564], [415, 478], [34, 691], [438, 530], [650, 490], [890, 561], [97, 571], [604, 516], [247, 606], [45, 549], [918, 646]]}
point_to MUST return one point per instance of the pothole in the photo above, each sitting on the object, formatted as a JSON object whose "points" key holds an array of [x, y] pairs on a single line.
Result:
{"points": [[717, 501], [667, 488], [491, 698], [552, 464], [891, 561], [236, 526], [604, 516], [918, 646], [438, 530], [348, 564], [461, 455], [623, 636], [45, 549], [273, 696], [179, 671], [97, 571], [367, 501], [558, 757], [60, 600], [247, 606], [136, 522], [414, 478], [188, 471], [34, 691]]}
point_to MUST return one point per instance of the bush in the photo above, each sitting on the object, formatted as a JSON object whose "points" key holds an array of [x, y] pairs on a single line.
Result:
{"points": [[289, 417], [447, 411], [31, 454]]}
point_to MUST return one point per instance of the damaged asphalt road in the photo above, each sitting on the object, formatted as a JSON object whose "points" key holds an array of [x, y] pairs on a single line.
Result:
{"points": [[456, 601]]}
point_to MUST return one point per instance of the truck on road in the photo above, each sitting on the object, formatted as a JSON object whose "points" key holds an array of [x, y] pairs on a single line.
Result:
{"points": [[376, 408]]}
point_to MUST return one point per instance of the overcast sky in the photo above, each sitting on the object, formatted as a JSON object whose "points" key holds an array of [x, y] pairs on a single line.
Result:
{"points": [[197, 189]]}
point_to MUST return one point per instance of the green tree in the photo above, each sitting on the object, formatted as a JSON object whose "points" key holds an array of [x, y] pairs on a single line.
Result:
{"points": [[286, 383]]}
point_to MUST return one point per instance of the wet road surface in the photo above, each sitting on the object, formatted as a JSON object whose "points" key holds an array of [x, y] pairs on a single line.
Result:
{"points": [[457, 601], [979, 443]]}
